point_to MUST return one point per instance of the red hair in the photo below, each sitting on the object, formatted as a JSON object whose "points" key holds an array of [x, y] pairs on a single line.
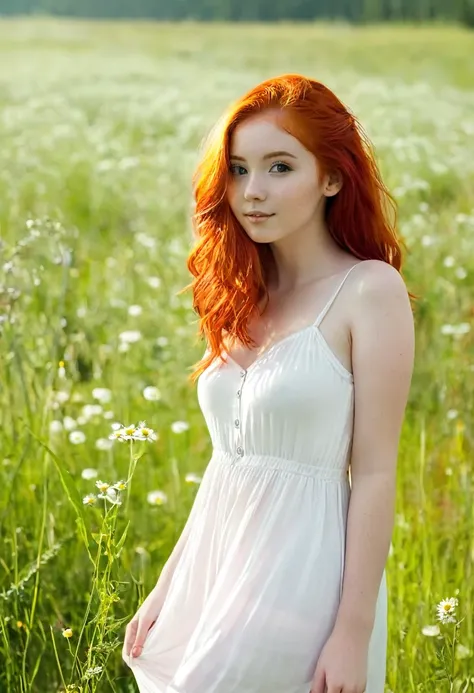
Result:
{"points": [[230, 270]]}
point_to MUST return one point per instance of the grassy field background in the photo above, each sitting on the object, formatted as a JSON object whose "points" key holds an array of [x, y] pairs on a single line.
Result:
{"points": [[100, 128]]}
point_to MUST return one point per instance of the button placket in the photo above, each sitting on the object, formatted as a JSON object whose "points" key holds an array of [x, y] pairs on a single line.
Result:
{"points": [[238, 420]]}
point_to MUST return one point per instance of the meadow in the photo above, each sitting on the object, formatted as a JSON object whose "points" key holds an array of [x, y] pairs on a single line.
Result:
{"points": [[100, 129]]}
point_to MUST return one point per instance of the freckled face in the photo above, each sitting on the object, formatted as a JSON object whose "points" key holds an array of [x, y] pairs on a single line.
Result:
{"points": [[273, 173]]}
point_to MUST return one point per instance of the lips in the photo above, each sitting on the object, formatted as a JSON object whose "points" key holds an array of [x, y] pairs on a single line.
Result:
{"points": [[258, 214]]}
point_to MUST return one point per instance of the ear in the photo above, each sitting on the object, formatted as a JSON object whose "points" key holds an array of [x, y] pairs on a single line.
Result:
{"points": [[333, 184]]}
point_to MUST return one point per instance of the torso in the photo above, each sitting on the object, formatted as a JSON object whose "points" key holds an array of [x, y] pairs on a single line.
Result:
{"points": [[292, 312]]}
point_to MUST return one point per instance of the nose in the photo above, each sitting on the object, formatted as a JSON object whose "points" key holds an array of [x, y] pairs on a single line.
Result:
{"points": [[254, 189]]}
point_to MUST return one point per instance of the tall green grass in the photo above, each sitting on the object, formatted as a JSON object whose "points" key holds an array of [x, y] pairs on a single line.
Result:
{"points": [[100, 126]]}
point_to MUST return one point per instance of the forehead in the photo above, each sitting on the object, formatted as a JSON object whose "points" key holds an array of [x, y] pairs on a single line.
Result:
{"points": [[261, 133]]}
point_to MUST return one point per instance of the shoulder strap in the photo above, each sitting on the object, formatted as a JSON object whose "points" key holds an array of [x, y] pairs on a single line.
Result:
{"points": [[331, 300]]}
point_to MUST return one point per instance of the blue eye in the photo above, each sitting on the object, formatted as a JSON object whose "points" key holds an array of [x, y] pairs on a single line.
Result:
{"points": [[280, 163], [277, 163]]}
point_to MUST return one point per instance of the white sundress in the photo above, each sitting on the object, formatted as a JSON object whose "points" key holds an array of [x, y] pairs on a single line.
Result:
{"points": [[255, 593]]}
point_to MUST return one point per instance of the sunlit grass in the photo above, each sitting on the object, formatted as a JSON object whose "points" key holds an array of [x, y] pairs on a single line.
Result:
{"points": [[100, 127]]}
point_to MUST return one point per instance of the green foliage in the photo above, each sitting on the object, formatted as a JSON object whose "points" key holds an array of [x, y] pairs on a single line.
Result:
{"points": [[101, 126], [252, 10]]}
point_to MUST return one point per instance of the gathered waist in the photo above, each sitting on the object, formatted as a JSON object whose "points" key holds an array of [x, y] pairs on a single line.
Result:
{"points": [[282, 464]]}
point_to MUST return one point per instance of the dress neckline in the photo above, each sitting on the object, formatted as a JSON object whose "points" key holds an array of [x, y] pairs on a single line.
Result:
{"points": [[292, 335]]}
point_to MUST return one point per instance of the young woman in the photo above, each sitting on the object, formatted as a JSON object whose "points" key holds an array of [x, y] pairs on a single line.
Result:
{"points": [[277, 583]]}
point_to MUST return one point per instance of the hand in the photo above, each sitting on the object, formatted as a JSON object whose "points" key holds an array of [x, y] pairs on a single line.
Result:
{"points": [[342, 664], [138, 628]]}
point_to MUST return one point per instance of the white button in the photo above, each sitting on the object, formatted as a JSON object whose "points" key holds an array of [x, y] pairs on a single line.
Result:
{"points": [[238, 393], [236, 423], [240, 451], [242, 373]]}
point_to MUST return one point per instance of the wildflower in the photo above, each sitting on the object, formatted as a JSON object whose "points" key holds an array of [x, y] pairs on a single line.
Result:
{"points": [[157, 498], [77, 437], [102, 394], [193, 478], [179, 426], [67, 632], [102, 486], [120, 485], [89, 473], [460, 329], [130, 336], [154, 282], [61, 370], [111, 495], [55, 426], [90, 499], [152, 394], [60, 397], [162, 341], [430, 631], [69, 423], [449, 261], [108, 415], [117, 435], [92, 671], [103, 444], [135, 310], [19, 624], [145, 433], [90, 410], [447, 610]]}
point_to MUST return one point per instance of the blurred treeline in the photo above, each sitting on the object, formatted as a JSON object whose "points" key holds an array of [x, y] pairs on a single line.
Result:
{"points": [[252, 10]]}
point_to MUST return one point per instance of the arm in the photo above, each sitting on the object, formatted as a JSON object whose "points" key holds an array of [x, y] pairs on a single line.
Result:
{"points": [[382, 355]]}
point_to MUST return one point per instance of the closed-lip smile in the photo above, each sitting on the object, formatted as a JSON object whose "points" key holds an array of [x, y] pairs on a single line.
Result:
{"points": [[258, 214]]}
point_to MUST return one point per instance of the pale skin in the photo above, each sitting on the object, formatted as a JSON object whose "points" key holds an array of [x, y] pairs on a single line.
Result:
{"points": [[370, 330]]}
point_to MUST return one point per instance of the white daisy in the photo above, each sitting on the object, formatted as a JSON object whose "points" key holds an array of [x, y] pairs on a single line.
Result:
{"points": [[151, 393], [193, 478], [179, 426], [430, 631], [90, 499], [103, 444], [89, 473], [135, 310], [77, 437], [157, 497], [120, 485], [130, 336], [447, 610]]}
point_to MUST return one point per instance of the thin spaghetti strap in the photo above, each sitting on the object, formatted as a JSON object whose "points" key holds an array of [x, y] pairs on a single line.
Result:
{"points": [[333, 297]]}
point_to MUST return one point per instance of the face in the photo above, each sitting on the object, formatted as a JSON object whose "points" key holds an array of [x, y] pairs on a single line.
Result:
{"points": [[272, 173]]}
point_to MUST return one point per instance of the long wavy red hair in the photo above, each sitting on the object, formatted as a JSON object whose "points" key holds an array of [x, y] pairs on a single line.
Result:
{"points": [[230, 270]]}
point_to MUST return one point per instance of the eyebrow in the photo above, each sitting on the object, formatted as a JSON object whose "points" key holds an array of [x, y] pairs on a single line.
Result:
{"points": [[270, 155]]}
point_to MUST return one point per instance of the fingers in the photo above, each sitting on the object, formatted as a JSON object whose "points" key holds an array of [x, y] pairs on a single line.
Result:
{"points": [[130, 635], [141, 633], [319, 682]]}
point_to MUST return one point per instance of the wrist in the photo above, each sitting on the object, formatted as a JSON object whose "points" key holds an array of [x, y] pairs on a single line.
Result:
{"points": [[360, 625]]}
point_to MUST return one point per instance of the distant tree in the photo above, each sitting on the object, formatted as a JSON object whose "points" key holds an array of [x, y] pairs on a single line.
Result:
{"points": [[467, 13]]}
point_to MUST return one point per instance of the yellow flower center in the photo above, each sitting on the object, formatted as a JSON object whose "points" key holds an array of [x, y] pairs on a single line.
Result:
{"points": [[130, 431], [145, 432], [447, 607]]}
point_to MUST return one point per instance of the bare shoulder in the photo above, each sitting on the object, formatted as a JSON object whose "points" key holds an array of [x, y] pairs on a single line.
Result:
{"points": [[383, 344], [375, 285]]}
